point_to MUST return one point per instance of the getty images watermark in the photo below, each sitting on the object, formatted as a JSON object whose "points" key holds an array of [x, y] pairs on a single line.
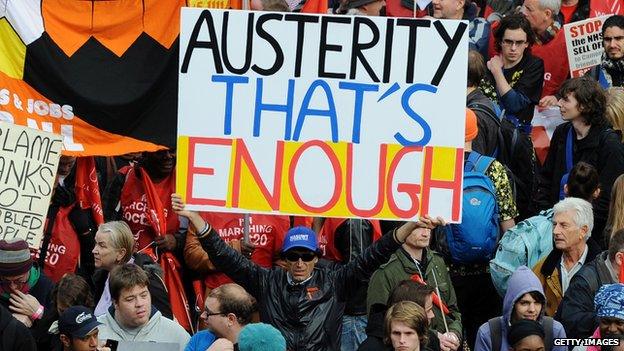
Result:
{"points": [[587, 342]]}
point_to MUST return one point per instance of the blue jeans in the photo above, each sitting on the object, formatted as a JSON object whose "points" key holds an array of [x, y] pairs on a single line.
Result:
{"points": [[353, 332]]}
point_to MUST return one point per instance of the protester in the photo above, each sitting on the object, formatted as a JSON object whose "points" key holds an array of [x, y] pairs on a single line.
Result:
{"points": [[14, 335], [524, 299], [615, 220], [406, 290], [515, 74], [572, 224], [615, 109], [126, 199], [576, 311], [341, 241], [261, 337], [69, 230], [79, 330], [526, 335], [478, 27], [228, 308], [24, 289], [132, 316], [610, 71], [414, 260], [282, 294], [71, 290], [486, 142], [585, 136], [114, 247], [406, 327], [609, 304], [477, 298], [550, 45]]}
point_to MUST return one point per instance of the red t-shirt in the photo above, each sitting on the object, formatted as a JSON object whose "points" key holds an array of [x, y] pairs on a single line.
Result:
{"points": [[265, 231], [567, 12]]}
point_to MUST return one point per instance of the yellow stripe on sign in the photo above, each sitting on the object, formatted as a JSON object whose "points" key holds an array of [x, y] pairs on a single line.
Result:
{"points": [[12, 51], [182, 166], [443, 163]]}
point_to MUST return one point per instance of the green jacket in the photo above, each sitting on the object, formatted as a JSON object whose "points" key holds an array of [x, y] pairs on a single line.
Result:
{"points": [[401, 267]]}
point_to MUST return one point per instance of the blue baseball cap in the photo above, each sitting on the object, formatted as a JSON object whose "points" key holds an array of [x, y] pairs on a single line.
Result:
{"points": [[302, 237], [77, 321], [609, 301]]}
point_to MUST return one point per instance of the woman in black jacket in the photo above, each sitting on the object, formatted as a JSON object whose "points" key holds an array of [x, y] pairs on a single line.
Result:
{"points": [[586, 136]]}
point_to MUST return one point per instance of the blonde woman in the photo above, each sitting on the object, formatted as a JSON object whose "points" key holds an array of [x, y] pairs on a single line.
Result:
{"points": [[114, 245], [406, 327], [615, 109], [615, 221]]}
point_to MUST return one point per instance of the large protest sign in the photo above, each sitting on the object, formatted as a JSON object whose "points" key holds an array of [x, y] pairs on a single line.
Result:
{"points": [[28, 163], [337, 116], [584, 44]]}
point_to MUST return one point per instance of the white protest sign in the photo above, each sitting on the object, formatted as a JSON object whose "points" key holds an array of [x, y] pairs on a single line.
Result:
{"points": [[338, 116], [584, 44], [28, 164]]}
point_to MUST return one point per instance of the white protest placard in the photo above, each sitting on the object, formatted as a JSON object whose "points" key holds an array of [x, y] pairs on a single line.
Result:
{"points": [[584, 44], [337, 116], [28, 163]]}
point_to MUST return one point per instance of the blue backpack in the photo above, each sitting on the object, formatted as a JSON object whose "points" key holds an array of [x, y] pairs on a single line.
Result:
{"points": [[522, 245], [474, 239]]}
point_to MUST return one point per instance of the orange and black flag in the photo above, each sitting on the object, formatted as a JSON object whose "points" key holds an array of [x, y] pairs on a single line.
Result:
{"points": [[103, 74]]}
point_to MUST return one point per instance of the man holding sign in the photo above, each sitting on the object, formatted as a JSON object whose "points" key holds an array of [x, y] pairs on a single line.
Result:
{"points": [[305, 302], [610, 71]]}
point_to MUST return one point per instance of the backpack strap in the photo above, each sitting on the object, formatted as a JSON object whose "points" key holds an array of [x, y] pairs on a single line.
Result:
{"points": [[569, 158], [483, 163], [471, 163], [547, 323], [495, 333]]}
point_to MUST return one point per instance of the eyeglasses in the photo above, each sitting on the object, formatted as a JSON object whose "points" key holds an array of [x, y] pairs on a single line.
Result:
{"points": [[19, 283], [206, 313], [304, 256], [511, 43]]}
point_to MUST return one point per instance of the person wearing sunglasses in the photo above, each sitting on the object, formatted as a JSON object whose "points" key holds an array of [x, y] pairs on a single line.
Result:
{"points": [[305, 302]]}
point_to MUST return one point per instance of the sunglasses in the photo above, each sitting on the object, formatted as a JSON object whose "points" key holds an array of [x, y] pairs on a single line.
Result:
{"points": [[295, 256]]}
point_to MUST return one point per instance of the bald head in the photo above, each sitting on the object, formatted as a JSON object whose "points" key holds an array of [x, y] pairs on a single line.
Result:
{"points": [[234, 299]]}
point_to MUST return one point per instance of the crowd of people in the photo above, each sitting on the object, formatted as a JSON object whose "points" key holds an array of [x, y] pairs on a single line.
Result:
{"points": [[538, 257]]}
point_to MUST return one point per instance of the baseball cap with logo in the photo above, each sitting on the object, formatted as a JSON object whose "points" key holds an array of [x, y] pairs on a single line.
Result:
{"points": [[301, 237], [77, 321]]}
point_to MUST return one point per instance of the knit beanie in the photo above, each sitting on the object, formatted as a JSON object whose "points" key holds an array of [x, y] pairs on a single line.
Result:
{"points": [[14, 257], [522, 329], [260, 337], [472, 128]]}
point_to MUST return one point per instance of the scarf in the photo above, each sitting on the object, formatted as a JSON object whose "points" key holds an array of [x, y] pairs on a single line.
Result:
{"points": [[33, 278], [548, 35], [611, 68]]}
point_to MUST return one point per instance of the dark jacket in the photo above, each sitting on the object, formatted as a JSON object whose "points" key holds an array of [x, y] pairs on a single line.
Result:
{"points": [[576, 311], [309, 315], [581, 12], [42, 291], [598, 74], [14, 336], [157, 289], [548, 272], [375, 333], [487, 139], [602, 149]]}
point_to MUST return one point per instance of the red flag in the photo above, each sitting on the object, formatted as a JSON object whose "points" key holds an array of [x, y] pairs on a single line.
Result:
{"points": [[436, 299], [88, 188], [315, 6], [170, 265]]}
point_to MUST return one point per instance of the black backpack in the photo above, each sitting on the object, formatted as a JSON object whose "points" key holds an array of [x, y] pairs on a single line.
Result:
{"points": [[515, 151]]}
